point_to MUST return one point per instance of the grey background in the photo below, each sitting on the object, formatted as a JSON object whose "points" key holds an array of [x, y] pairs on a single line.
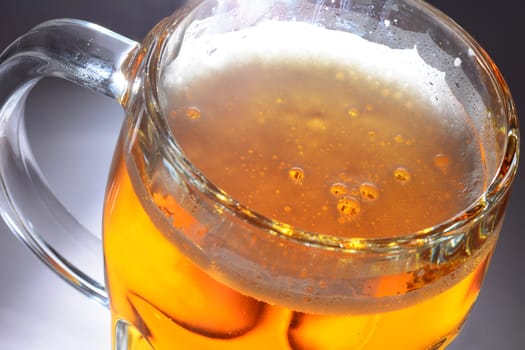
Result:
{"points": [[39, 311]]}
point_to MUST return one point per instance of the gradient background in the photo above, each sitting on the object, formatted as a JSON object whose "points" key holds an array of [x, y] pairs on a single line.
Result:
{"points": [[39, 311]]}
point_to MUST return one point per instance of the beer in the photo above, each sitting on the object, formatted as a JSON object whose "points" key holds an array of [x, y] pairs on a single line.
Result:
{"points": [[355, 143]]}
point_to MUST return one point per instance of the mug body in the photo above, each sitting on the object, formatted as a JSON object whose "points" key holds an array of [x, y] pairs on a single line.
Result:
{"points": [[305, 175]]}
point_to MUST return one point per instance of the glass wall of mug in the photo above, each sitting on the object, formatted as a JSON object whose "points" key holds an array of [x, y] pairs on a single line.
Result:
{"points": [[306, 175]]}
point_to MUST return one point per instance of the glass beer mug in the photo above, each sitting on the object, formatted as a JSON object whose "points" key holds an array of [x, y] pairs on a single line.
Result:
{"points": [[292, 174]]}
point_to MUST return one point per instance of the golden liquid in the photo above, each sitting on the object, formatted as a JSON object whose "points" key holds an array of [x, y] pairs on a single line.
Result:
{"points": [[175, 304], [322, 148]]}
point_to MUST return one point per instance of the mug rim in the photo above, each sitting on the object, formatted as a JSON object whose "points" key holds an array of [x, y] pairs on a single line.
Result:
{"points": [[494, 192]]}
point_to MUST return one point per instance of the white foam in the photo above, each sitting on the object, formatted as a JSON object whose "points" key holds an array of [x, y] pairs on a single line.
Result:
{"points": [[301, 43]]}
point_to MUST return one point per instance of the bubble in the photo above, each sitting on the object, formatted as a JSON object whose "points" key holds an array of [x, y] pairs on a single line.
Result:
{"points": [[399, 138], [353, 112], [338, 189], [442, 162], [402, 174], [457, 62], [279, 100], [349, 206], [369, 191], [193, 113], [322, 284], [316, 124], [340, 76], [296, 174]]}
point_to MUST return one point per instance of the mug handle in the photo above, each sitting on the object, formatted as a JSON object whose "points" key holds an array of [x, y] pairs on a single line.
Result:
{"points": [[92, 57]]}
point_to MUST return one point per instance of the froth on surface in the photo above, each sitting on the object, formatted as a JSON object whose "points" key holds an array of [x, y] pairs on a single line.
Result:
{"points": [[299, 43]]}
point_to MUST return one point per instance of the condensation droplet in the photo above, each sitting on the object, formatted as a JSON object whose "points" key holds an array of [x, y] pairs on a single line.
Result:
{"points": [[338, 189], [193, 113], [296, 174], [369, 191], [349, 206], [402, 174]]}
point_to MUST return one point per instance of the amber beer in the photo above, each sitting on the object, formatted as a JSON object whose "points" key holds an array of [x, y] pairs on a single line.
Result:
{"points": [[367, 142]]}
